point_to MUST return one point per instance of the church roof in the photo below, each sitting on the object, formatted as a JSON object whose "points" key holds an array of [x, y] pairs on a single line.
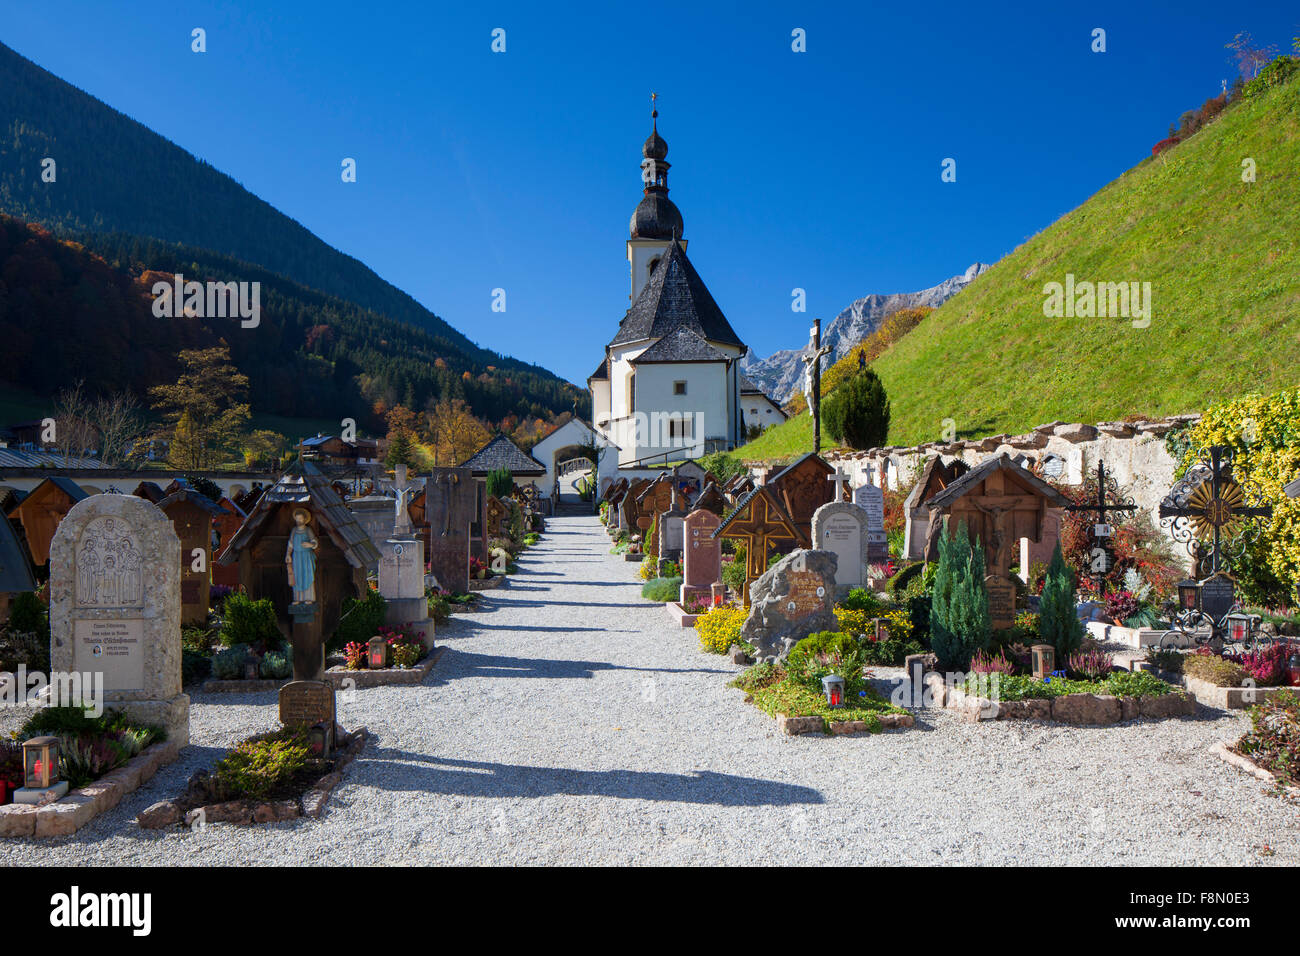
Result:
{"points": [[601, 374], [675, 297], [680, 345], [656, 217], [501, 452]]}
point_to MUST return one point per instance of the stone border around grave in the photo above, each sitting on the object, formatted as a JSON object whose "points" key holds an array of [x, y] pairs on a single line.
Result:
{"points": [[1135, 637], [1079, 710], [679, 614], [69, 814], [388, 675], [1224, 751], [816, 724], [1224, 698], [167, 813], [489, 583]]}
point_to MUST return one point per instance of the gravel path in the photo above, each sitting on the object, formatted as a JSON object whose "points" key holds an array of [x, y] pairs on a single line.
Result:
{"points": [[569, 723]]}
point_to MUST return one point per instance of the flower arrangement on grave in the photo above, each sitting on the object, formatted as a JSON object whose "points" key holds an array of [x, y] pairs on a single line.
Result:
{"points": [[985, 663], [1091, 664], [719, 628], [90, 747], [355, 655], [478, 569]]}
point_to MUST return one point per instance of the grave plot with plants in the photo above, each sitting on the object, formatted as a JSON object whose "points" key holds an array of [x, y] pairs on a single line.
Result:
{"points": [[244, 645], [269, 778], [1270, 750]]}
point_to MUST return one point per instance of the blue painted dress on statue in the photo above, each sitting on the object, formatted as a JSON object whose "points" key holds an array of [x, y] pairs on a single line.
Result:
{"points": [[304, 563]]}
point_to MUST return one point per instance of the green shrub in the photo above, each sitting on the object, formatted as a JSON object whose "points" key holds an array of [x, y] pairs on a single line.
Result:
{"points": [[918, 610], [250, 622], [959, 612], [1058, 619], [360, 621], [406, 655], [860, 599], [757, 677], [898, 584], [195, 666], [439, 606], [824, 653], [261, 768], [857, 413], [229, 664], [1273, 741], [276, 665], [733, 572], [722, 465], [500, 483], [662, 589], [889, 653], [1166, 660], [1275, 74], [27, 633]]}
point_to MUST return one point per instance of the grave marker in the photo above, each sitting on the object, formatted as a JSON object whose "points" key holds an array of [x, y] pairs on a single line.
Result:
{"points": [[115, 607], [702, 556], [872, 500], [841, 528]]}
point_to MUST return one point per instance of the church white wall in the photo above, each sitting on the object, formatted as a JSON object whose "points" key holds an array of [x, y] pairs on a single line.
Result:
{"points": [[600, 411], [640, 253], [704, 404]]}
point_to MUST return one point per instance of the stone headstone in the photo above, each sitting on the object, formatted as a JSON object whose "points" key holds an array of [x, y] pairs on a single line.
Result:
{"points": [[401, 583], [671, 532], [872, 500], [377, 517], [841, 527], [792, 599], [305, 703], [115, 607], [701, 555], [450, 500]]}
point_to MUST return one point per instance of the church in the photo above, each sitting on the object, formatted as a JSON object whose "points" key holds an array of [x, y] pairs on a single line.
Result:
{"points": [[669, 386]]}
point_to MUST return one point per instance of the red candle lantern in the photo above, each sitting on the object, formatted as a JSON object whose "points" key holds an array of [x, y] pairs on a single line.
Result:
{"points": [[833, 685], [1189, 595], [1239, 628], [378, 653], [40, 762]]}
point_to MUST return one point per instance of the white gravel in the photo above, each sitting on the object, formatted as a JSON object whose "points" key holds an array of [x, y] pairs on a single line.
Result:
{"points": [[569, 723]]}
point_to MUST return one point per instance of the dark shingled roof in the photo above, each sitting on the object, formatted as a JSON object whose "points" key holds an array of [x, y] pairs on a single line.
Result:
{"points": [[15, 572], [601, 374], [1293, 489], [305, 485], [194, 498], [501, 452], [680, 345], [673, 298], [656, 217], [976, 475]]}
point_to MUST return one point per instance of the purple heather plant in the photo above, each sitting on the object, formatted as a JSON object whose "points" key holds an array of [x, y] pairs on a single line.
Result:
{"points": [[984, 663], [1094, 664]]}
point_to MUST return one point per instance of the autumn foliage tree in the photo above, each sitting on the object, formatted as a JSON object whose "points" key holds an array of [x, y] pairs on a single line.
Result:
{"points": [[204, 411]]}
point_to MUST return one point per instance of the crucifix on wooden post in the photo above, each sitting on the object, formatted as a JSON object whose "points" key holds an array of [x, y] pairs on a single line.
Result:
{"points": [[1100, 556], [812, 387], [760, 521]]}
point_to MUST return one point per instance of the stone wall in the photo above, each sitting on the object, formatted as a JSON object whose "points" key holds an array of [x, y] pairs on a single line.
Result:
{"points": [[1134, 453]]}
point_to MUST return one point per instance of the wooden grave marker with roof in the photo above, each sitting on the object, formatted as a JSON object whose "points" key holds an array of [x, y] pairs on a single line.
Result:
{"points": [[710, 499], [654, 500], [41, 511], [630, 508], [761, 521], [192, 516], [999, 502], [802, 487], [343, 556], [936, 475], [227, 524]]}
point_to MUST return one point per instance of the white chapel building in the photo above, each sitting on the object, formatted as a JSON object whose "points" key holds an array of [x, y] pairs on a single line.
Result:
{"points": [[669, 386]]}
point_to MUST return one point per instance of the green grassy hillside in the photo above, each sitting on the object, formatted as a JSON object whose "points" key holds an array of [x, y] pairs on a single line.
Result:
{"points": [[1223, 260]]}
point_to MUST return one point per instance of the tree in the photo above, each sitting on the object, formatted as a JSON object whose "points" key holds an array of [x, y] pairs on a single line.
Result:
{"points": [[264, 446], [1058, 621], [121, 423], [205, 408], [500, 482], [75, 434], [1250, 58], [959, 606], [857, 413], [403, 438], [455, 432]]}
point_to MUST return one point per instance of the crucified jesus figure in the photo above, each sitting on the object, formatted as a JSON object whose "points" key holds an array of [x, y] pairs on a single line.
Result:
{"points": [[999, 538]]}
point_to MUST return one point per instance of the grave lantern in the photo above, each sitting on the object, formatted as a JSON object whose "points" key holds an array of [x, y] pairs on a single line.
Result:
{"points": [[250, 670], [318, 740], [1239, 628], [1189, 595], [1044, 659], [40, 762], [378, 656], [833, 685]]}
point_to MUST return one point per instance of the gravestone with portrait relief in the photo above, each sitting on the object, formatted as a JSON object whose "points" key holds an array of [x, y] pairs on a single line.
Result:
{"points": [[115, 607]]}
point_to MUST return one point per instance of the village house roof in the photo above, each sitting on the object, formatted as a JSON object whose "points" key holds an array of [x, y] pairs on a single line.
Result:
{"points": [[675, 297], [501, 452], [305, 485]]}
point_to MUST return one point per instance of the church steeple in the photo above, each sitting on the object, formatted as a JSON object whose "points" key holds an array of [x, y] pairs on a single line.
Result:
{"points": [[654, 167]]}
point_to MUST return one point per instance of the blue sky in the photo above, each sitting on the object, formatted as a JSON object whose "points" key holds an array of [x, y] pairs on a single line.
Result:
{"points": [[520, 170]]}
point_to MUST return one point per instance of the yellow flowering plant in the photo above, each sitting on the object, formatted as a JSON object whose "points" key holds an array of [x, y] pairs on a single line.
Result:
{"points": [[719, 628]]}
